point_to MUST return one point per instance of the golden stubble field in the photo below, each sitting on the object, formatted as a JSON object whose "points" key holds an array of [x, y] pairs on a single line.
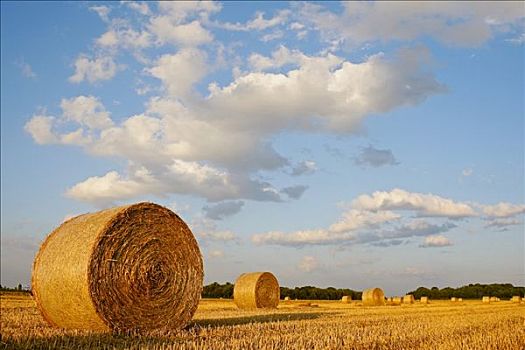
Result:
{"points": [[218, 324]]}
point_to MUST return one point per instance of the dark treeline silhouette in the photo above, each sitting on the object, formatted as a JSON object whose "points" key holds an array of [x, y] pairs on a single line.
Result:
{"points": [[314, 293], [472, 291], [216, 290], [18, 288]]}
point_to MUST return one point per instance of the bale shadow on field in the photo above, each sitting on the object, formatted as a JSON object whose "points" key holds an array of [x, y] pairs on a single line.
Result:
{"points": [[234, 321]]}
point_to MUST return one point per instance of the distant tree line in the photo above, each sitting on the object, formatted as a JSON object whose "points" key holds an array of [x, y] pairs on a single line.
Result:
{"points": [[216, 290], [315, 293], [472, 291], [18, 288]]}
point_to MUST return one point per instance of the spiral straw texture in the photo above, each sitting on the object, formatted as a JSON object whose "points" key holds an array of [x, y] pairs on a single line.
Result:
{"points": [[373, 297], [256, 290], [135, 267]]}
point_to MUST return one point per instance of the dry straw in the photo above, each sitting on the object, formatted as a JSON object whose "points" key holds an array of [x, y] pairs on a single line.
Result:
{"points": [[493, 299], [516, 299], [453, 299], [485, 299], [287, 299], [346, 299], [408, 299], [397, 300], [373, 297], [256, 290], [424, 300], [135, 267], [460, 299]]}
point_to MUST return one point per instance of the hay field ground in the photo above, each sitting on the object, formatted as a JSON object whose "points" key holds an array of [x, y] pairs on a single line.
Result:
{"points": [[218, 324]]}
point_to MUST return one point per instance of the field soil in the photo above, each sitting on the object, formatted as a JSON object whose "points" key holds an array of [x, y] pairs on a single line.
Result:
{"points": [[218, 324]]}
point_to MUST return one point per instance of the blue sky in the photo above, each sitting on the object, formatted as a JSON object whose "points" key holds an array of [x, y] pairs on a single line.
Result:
{"points": [[334, 144]]}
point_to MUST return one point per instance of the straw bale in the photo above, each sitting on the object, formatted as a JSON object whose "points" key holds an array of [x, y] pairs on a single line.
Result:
{"points": [[397, 300], [516, 299], [453, 299], [346, 299], [256, 290], [493, 299], [424, 300], [408, 299], [373, 297], [135, 267], [485, 299], [287, 299]]}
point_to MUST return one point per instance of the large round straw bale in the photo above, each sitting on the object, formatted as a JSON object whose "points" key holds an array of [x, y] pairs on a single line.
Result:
{"points": [[373, 297], [408, 299], [256, 290], [135, 267], [424, 300], [346, 299]]}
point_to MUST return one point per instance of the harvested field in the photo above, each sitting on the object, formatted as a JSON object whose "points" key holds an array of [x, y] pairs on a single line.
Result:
{"points": [[219, 324]]}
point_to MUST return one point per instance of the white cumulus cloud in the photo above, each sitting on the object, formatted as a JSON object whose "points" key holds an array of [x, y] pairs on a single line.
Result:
{"points": [[451, 23], [436, 241], [93, 70], [424, 204]]}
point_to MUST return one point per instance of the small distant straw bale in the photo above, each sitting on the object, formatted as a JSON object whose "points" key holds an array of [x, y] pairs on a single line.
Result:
{"points": [[516, 299], [485, 299], [408, 299], [397, 300], [373, 297], [453, 299], [286, 298], [493, 299], [256, 290], [424, 300], [346, 299]]}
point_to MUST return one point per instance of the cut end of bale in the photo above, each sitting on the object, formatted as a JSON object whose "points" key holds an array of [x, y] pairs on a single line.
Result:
{"points": [[256, 290], [135, 267], [373, 297]]}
